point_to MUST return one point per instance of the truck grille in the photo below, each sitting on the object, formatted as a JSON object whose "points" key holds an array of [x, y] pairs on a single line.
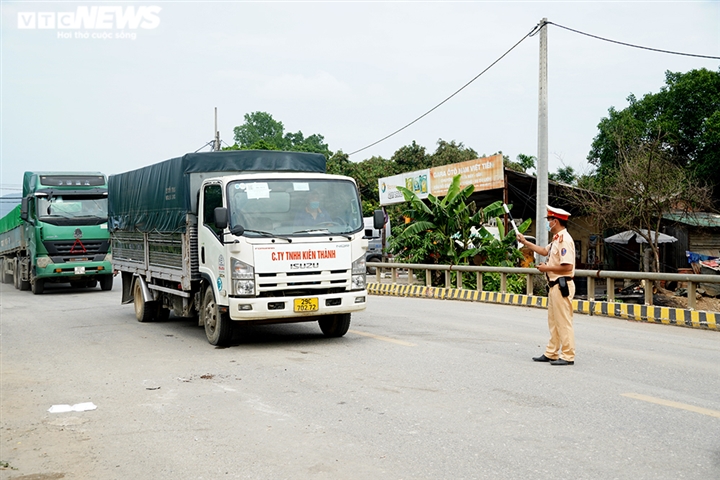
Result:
{"points": [[64, 251], [302, 283]]}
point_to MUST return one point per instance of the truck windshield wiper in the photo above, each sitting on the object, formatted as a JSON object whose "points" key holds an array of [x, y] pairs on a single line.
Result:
{"points": [[324, 231], [268, 234]]}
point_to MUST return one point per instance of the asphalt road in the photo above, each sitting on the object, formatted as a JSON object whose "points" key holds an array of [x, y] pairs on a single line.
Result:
{"points": [[418, 388]]}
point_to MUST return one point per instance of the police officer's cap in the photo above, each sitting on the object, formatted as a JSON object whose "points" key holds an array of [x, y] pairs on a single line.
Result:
{"points": [[559, 213]]}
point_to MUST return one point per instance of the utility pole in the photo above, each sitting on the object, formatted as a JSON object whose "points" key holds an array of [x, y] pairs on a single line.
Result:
{"points": [[541, 236], [216, 142]]}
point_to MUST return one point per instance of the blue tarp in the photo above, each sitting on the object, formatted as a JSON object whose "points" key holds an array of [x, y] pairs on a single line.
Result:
{"points": [[698, 257]]}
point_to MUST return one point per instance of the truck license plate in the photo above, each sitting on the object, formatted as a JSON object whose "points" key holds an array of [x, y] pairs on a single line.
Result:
{"points": [[306, 304], [79, 270]]}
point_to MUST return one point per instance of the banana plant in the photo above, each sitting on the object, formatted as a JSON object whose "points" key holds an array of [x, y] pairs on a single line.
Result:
{"points": [[441, 229]]}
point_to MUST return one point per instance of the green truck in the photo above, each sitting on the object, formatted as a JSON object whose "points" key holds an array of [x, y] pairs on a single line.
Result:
{"points": [[58, 233]]}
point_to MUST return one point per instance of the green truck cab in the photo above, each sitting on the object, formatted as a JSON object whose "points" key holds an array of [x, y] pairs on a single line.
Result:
{"points": [[58, 233]]}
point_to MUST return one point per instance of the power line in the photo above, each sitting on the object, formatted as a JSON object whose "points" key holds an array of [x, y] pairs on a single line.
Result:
{"points": [[530, 34], [451, 96], [634, 46]]}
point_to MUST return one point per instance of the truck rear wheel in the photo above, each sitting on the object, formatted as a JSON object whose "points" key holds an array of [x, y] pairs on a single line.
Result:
{"points": [[5, 277], [20, 284], [16, 276], [218, 326], [334, 326], [144, 311], [106, 282]]}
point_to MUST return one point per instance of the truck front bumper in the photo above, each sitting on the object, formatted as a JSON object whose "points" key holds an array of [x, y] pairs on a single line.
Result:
{"points": [[284, 308], [75, 269]]}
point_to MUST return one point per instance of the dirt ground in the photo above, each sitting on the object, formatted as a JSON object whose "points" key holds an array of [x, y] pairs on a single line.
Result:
{"points": [[668, 299]]}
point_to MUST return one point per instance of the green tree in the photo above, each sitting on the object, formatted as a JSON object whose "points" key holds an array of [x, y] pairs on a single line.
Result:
{"points": [[260, 126], [339, 164], [366, 174], [686, 110], [410, 158], [262, 132], [564, 175], [451, 152], [646, 183], [523, 164]]}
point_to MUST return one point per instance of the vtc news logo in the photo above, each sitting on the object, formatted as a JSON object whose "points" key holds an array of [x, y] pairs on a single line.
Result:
{"points": [[92, 18]]}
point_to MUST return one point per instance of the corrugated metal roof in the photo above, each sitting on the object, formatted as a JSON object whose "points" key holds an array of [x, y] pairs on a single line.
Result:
{"points": [[696, 219]]}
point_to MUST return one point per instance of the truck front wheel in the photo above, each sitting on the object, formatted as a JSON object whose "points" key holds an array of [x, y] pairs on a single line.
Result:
{"points": [[336, 325], [37, 286], [371, 270], [218, 326], [106, 282], [144, 311]]}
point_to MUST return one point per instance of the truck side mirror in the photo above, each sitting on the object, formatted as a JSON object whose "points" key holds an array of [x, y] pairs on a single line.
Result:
{"points": [[24, 203], [378, 219], [221, 218]]}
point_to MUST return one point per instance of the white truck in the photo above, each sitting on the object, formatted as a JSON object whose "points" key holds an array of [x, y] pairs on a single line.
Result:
{"points": [[377, 242], [229, 237]]}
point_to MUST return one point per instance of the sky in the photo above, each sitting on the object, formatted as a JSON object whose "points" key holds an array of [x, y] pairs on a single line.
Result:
{"points": [[353, 72]]}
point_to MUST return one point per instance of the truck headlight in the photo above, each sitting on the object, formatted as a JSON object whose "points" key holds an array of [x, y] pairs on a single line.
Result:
{"points": [[243, 278], [43, 262], [358, 274]]}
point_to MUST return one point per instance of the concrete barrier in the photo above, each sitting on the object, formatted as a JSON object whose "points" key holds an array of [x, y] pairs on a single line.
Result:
{"points": [[642, 313]]}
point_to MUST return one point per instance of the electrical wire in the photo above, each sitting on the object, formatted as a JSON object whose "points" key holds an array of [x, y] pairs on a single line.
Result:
{"points": [[631, 45], [208, 143], [533, 32], [529, 34]]}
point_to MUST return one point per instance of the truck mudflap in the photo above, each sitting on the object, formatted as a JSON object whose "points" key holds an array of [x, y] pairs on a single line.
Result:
{"points": [[128, 283], [298, 309]]}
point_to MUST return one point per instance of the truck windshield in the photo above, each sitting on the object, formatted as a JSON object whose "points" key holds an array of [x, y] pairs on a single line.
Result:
{"points": [[75, 210], [295, 207]]}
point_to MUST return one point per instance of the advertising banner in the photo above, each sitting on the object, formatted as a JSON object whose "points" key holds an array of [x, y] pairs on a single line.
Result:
{"points": [[484, 173], [418, 182]]}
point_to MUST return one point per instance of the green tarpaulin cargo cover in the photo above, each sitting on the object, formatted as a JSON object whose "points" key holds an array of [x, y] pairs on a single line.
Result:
{"points": [[11, 220], [159, 197]]}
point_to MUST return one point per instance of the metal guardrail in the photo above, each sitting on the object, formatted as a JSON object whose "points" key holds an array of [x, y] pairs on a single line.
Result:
{"points": [[647, 278]]}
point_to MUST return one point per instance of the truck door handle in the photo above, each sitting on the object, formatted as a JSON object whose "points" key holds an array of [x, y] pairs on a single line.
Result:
{"points": [[202, 255]]}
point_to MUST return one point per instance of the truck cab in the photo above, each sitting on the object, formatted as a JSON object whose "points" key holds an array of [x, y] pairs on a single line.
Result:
{"points": [[285, 245], [61, 233]]}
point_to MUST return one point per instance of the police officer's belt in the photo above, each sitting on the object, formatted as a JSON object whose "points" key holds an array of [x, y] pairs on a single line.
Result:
{"points": [[552, 283]]}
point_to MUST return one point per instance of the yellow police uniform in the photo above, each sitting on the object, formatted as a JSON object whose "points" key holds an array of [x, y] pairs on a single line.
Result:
{"points": [[560, 309]]}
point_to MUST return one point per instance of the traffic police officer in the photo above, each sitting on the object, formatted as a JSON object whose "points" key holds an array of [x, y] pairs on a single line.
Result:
{"points": [[559, 270]]}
